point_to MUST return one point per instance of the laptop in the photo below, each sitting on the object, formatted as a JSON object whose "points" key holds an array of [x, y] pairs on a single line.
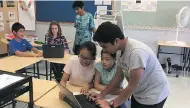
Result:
{"points": [[76, 101], [53, 51]]}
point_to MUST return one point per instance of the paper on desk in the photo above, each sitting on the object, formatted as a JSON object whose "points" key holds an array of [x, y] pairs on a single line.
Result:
{"points": [[6, 80], [107, 97]]}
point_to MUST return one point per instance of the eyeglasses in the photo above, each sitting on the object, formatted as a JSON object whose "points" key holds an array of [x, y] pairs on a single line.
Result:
{"points": [[85, 58]]}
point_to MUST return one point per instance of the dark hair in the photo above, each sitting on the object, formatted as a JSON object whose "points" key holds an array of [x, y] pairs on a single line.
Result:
{"points": [[16, 26], [59, 33], [112, 55], [79, 4], [90, 46], [107, 33]]}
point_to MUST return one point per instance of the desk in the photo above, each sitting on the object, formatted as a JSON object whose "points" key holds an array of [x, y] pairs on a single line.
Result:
{"points": [[51, 99], [40, 88], [14, 63], [16, 89], [184, 52]]}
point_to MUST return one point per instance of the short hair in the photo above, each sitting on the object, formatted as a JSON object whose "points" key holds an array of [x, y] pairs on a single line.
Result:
{"points": [[107, 32], [59, 28], [79, 4], [90, 46], [112, 55], [16, 26]]}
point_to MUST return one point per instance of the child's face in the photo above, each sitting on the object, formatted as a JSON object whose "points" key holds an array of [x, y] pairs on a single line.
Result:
{"points": [[107, 61], [19, 33], [85, 57], [79, 10], [54, 29]]}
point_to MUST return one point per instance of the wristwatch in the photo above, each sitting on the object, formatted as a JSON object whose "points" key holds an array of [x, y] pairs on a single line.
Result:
{"points": [[111, 104]]}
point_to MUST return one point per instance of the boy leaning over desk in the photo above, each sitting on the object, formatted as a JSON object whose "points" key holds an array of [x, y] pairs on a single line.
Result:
{"points": [[21, 47]]}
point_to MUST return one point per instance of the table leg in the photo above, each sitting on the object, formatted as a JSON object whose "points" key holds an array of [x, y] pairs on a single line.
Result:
{"points": [[34, 69], [31, 103], [38, 72], [46, 64], [50, 71], [158, 52], [13, 103]]}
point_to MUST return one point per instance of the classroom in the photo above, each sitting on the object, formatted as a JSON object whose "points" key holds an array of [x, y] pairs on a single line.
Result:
{"points": [[95, 54]]}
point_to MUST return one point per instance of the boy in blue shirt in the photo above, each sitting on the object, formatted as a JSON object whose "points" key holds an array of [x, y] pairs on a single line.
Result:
{"points": [[84, 25], [19, 46]]}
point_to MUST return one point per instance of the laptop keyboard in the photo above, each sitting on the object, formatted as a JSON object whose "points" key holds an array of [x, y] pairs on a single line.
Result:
{"points": [[85, 103]]}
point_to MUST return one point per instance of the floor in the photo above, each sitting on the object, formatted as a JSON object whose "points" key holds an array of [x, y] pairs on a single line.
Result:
{"points": [[179, 96]]}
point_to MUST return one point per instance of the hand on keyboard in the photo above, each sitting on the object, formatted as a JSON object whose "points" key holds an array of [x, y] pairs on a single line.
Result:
{"points": [[61, 96], [103, 104], [85, 89], [95, 96]]}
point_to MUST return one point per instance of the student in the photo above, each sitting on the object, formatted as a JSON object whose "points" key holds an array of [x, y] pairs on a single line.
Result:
{"points": [[147, 83], [105, 72], [55, 37], [84, 25], [79, 70], [19, 46]]}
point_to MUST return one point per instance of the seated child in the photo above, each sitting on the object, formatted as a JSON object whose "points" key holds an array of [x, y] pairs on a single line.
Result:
{"points": [[79, 70], [19, 46], [55, 37], [105, 72]]}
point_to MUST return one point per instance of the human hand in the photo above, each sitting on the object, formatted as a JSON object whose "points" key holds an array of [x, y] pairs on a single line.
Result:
{"points": [[103, 104], [95, 96], [85, 89], [61, 95]]}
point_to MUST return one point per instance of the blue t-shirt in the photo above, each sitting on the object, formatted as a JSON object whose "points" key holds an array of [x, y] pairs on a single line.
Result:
{"points": [[23, 45], [105, 75], [84, 26]]}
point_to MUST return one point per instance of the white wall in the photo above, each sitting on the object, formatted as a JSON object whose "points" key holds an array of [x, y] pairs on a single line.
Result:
{"points": [[149, 37]]}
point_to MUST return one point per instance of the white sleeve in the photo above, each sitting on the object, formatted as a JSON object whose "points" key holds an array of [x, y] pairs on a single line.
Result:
{"points": [[138, 59]]}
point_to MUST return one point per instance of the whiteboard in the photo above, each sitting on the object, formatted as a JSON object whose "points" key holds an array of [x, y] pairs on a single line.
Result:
{"points": [[27, 18]]}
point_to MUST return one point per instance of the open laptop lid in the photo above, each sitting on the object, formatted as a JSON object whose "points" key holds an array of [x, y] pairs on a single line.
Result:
{"points": [[69, 95]]}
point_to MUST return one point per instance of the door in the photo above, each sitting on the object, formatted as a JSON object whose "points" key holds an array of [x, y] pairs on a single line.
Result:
{"points": [[8, 16]]}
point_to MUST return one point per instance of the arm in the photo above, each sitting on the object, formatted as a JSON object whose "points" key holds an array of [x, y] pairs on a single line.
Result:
{"points": [[94, 30], [64, 79], [134, 79], [114, 83], [92, 25], [35, 50], [25, 54], [97, 84], [66, 46]]}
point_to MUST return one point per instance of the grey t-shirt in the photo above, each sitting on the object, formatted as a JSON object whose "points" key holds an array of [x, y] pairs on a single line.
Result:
{"points": [[153, 86]]}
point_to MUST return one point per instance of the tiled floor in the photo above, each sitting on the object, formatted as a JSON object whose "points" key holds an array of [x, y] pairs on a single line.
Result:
{"points": [[179, 96]]}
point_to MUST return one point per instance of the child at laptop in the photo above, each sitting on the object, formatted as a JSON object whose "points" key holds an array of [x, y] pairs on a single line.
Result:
{"points": [[79, 71], [105, 72], [55, 37]]}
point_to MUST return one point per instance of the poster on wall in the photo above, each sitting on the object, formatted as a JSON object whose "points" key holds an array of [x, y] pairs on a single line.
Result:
{"points": [[1, 26], [26, 13], [1, 3], [10, 3], [11, 15], [1, 15], [139, 5]]}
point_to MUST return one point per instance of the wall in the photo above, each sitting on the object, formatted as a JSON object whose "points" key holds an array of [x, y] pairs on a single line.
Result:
{"points": [[149, 37]]}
